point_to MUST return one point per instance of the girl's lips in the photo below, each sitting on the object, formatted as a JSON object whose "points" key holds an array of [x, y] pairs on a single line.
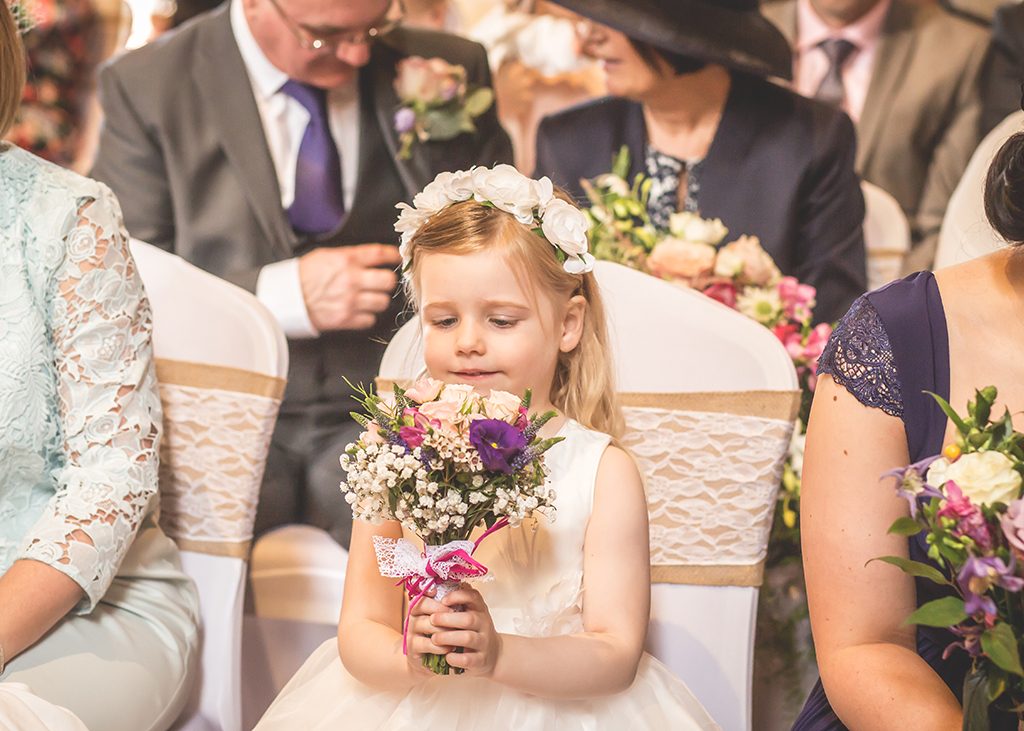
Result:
{"points": [[474, 375]]}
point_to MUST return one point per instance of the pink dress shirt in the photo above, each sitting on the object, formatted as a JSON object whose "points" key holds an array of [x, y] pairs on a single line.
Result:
{"points": [[810, 63]]}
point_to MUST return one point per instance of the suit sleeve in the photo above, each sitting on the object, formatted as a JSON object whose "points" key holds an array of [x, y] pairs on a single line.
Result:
{"points": [[130, 161], [949, 160], [1004, 68], [830, 231]]}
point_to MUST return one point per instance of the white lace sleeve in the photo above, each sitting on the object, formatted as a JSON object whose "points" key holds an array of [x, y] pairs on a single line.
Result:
{"points": [[107, 399]]}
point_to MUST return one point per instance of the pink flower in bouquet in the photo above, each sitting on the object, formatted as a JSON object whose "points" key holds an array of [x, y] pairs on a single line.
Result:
{"points": [[425, 389], [502, 405], [413, 433], [681, 260], [445, 413], [372, 434], [797, 299], [724, 292], [970, 521], [1012, 524], [457, 393], [745, 261], [815, 345]]}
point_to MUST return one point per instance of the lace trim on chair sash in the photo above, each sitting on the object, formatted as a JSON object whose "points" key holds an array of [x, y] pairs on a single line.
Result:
{"points": [[712, 480], [212, 459]]}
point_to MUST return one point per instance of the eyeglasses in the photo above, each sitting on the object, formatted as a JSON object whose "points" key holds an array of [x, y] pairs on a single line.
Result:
{"points": [[312, 41]]}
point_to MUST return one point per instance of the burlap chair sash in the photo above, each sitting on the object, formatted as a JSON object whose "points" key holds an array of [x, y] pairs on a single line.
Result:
{"points": [[218, 422]]}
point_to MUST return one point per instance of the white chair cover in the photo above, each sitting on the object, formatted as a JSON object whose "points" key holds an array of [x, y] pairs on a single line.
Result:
{"points": [[710, 397], [966, 233], [886, 235], [221, 363]]}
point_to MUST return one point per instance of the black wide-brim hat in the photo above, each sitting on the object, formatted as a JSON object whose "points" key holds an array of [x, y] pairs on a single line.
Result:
{"points": [[728, 32]]}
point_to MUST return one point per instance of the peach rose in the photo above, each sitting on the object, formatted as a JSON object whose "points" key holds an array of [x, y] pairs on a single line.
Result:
{"points": [[681, 260], [744, 259], [502, 405], [425, 389]]}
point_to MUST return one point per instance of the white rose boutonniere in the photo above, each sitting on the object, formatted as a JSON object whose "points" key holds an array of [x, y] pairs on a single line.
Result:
{"points": [[436, 102]]}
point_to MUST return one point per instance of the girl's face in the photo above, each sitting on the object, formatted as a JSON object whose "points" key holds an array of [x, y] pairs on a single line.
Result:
{"points": [[626, 73], [482, 328]]}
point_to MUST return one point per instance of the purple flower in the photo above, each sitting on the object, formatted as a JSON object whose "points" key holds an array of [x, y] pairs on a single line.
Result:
{"points": [[978, 576], [497, 442], [910, 483], [415, 428], [405, 120], [970, 638]]}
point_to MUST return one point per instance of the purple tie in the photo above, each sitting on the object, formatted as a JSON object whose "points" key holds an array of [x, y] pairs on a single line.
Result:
{"points": [[318, 206]]}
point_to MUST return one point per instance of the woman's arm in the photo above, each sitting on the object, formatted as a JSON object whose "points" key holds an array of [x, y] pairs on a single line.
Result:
{"points": [[616, 585], [867, 657], [109, 412]]}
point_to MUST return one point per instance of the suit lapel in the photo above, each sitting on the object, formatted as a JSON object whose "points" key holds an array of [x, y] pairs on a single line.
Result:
{"points": [[894, 52], [415, 172], [226, 92], [783, 16]]}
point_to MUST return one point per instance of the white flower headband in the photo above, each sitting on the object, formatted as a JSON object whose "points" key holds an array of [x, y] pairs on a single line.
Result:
{"points": [[24, 14], [532, 202]]}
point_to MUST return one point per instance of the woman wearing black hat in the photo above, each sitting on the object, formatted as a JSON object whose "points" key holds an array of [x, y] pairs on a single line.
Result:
{"points": [[691, 100]]}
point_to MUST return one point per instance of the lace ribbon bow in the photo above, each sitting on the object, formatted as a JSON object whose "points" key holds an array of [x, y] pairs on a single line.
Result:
{"points": [[436, 567]]}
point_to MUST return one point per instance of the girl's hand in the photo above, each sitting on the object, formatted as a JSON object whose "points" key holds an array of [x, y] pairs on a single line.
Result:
{"points": [[419, 641], [470, 629]]}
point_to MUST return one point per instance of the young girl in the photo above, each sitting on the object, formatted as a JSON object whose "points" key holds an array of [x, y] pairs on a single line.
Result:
{"points": [[555, 639]]}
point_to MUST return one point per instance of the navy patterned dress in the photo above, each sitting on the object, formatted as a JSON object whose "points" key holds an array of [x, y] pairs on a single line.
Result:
{"points": [[889, 349]]}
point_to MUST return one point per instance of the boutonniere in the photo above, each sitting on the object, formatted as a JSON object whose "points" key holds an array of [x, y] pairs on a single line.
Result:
{"points": [[436, 102]]}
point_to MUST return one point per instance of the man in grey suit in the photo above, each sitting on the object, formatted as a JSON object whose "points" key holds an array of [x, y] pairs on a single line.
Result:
{"points": [[908, 75], [258, 142]]}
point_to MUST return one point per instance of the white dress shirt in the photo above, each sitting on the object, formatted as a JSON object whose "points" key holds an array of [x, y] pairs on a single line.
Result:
{"points": [[284, 123]]}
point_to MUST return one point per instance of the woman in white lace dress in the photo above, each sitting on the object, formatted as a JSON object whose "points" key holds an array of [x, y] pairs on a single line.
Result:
{"points": [[97, 621]]}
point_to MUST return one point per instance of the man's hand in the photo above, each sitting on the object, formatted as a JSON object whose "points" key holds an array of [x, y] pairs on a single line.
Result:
{"points": [[343, 287]]}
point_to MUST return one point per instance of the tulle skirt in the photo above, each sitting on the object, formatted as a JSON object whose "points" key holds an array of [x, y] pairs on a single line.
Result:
{"points": [[323, 696]]}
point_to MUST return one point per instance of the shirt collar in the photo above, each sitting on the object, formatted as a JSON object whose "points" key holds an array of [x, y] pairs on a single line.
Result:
{"points": [[812, 30], [267, 79]]}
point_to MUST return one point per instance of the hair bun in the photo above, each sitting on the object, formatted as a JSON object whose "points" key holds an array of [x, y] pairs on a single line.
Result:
{"points": [[1004, 190]]}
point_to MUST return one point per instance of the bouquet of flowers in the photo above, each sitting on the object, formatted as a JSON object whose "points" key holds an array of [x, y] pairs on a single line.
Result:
{"points": [[967, 502], [436, 103], [441, 460]]}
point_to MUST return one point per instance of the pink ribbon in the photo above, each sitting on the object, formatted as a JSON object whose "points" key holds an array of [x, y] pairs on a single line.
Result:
{"points": [[435, 566]]}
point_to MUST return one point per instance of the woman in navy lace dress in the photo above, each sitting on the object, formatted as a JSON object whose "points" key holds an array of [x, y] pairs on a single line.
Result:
{"points": [[948, 333]]}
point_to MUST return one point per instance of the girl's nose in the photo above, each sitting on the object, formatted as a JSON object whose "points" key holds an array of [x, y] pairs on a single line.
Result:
{"points": [[469, 339]]}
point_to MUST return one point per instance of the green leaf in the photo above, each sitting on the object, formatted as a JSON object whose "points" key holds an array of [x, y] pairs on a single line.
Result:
{"points": [[915, 568], [442, 124], [944, 612], [479, 101], [620, 162], [976, 700], [961, 425], [1000, 645], [905, 526]]}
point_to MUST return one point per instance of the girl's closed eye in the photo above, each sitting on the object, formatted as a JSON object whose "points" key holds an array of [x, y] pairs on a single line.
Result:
{"points": [[444, 322], [504, 323]]}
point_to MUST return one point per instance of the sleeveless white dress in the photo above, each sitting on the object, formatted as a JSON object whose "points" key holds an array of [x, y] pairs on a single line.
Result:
{"points": [[536, 590]]}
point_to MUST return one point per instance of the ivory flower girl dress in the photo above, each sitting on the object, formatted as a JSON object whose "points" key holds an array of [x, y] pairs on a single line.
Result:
{"points": [[536, 590]]}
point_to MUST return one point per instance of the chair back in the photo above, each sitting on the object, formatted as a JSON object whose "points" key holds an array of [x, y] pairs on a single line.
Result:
{"points": [[709, 398], [221, 361], [886, 235]]}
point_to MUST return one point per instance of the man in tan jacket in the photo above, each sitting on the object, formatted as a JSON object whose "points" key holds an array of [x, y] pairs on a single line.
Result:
{"points": [[908, 75]]}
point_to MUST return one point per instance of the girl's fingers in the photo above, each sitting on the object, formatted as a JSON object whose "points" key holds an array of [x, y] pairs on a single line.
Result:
{"points": [[455, 620], [426, 605], [422, 625], [465, 595], [420, 645], [458, 638]]}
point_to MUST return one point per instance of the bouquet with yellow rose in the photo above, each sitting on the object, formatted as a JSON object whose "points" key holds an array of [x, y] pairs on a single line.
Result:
{"points": [[967, 503]]}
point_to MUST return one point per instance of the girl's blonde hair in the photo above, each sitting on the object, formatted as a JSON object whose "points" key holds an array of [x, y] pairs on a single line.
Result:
{"points": [[12, 68], [584, 385]]}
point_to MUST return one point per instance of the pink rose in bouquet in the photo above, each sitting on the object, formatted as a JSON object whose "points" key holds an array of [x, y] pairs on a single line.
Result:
{"points": [[682, 261], [745, 262]]}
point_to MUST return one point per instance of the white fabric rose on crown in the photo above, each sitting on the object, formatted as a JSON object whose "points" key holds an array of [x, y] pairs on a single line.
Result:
{"points": [[531, 202]]}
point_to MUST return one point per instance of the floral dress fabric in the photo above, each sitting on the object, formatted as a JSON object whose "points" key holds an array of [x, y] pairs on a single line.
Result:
{"points": [[536, 590], [63, 50], [666, 175], [79, 410]]}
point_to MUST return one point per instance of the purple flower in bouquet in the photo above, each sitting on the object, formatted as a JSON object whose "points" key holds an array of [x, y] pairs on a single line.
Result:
{"points": [[1012, 524], [969, 520], [970, 639], [414, 433], [978, 575], [405, 120], [497, 442], [911, 483]]}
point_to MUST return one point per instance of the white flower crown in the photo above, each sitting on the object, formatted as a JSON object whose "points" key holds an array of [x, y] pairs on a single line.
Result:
{"points": [[532, 202]]}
